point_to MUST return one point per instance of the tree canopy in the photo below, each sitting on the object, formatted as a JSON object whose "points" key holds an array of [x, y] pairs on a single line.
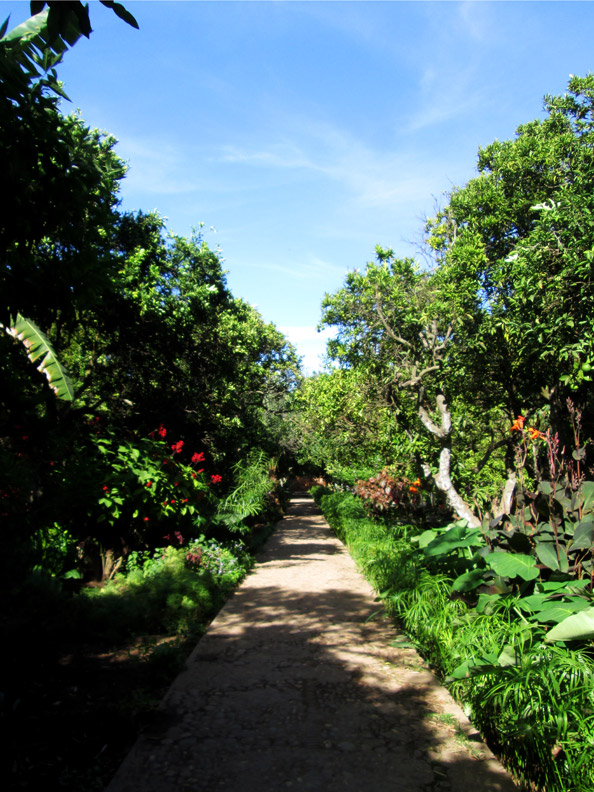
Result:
{"points": [[499, 326]]}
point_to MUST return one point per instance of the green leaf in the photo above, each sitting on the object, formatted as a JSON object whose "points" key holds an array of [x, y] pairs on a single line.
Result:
{"points": [[121, 12], [513, 565], [39, 349], [508, 656], [534, 603], [476, 667], [579, 626], [29, 28], [547, 554], [558, 611], [545, 487], [425, 538], [567, 586], [486, 602], [587, 490], [469, 580], [455, 537], [583, 536]]}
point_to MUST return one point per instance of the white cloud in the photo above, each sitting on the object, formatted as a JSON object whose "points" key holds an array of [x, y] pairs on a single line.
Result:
{"points": [[476, 20], [370, 177], [309, 343], [279, 155]]}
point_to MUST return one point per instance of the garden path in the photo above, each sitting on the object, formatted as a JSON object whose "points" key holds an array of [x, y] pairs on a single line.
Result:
{"points": [[297, 686]]}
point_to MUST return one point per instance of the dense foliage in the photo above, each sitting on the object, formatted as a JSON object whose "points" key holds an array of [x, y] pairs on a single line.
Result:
{"points": [[531, 698], [456, 431], [434, 364], [142, 447], [147, 416], [171, 381]]}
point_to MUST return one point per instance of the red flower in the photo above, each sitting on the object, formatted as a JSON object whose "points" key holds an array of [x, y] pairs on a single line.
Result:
{"points": [[149, 484], [106, 488], [146, 519], [215, 478], [177, 447], [184, 500], [162, 432], [197, 457]]}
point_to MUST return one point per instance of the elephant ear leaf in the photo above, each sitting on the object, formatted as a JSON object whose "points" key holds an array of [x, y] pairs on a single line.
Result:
{"points": [[578, 626], [41, 352]]}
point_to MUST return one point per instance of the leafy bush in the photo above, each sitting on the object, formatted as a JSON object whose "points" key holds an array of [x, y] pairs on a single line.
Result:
{"points": [[387, 490], [172, 589]]}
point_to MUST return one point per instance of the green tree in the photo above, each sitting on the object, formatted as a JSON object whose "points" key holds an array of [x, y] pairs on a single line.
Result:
{"points": [[515, 251], [394, 325]]}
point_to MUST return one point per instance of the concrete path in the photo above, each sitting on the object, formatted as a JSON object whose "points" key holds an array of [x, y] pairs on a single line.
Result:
{"points": [[292, 688]]}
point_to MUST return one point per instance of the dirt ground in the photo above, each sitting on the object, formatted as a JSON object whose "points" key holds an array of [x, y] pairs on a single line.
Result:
{"points": [[296, 685]]}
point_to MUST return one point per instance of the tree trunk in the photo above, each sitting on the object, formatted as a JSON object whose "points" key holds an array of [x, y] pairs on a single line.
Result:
{"points": [[442, 479]]}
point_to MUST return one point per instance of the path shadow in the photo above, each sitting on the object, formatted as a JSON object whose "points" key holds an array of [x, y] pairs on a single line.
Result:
{"points": [[297, 689]]}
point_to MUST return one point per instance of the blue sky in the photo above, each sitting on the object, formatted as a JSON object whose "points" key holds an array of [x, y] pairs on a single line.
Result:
{"points": [[306, 133]]}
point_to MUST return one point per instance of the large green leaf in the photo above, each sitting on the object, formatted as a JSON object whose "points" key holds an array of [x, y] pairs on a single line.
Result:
{"points": [[469, 580], [29, 29], [40, 351], [513, 565], [425, 538], [580, 626], [547, 554], [458, 536], [587, 490], [583, 536], [475, 666], [559, 611]]}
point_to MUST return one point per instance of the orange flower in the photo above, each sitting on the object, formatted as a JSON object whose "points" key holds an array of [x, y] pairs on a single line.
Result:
{"points": [[417, 483], [535, 434], [413, 489], [518, 424]]}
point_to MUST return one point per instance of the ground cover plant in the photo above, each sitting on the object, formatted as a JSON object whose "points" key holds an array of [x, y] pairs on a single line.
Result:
{"points": [[517, 653], [89, 663]]}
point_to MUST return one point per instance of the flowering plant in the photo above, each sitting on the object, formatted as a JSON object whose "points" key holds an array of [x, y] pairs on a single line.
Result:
{"points": [[147, 481]]}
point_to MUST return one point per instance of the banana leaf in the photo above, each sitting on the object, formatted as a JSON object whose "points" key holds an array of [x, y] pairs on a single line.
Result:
{"points": [[41, 352]]}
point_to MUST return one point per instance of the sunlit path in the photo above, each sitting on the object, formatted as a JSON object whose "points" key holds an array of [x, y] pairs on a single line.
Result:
{"points": [[296, 686]]}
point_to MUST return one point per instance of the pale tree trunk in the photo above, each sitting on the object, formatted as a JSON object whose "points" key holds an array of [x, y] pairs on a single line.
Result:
{"points": [[505, 503], [442, 478]]}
